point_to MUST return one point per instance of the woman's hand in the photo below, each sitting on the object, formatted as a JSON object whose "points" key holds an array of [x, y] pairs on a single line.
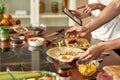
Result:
{"points": [[76, 31], [93, 52], [80, 15]]}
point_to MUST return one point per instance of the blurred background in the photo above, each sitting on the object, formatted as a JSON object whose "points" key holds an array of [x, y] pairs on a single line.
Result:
{"points": [[35, 12]]}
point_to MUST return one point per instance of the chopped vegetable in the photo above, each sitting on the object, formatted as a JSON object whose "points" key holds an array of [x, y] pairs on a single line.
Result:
{"points": [[60, 43]]}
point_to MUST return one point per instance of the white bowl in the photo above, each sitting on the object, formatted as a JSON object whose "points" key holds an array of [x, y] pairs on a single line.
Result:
{"points": [[36, 41]]}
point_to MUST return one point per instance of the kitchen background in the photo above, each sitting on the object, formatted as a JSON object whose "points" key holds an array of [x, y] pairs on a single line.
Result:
{"points": [[49, 12]]}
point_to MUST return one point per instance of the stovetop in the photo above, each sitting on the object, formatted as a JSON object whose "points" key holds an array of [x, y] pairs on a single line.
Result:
{"points": [[25, 59]]}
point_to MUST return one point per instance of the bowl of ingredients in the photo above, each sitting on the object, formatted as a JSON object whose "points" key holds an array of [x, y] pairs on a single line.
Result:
{"points": [[87, 68], [66, 58], [36, 41], [15, 41]]}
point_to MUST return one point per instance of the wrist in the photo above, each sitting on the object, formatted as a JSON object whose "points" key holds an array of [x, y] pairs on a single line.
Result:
{"points": [[88, 29], [102, 46], [101, 6]]}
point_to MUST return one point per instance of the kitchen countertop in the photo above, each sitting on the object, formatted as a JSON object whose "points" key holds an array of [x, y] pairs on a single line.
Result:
{"points": [[27, 58]]}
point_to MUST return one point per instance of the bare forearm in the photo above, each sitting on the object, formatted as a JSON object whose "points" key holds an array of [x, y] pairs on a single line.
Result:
{"points": [[110, 45], [108, 13]]}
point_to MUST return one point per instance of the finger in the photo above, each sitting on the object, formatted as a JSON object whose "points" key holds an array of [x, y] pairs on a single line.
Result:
{"points": [[71, 29], [73, 11], [72, 36], [86, 9], [89, 57], [84, 55], [68, 35], [89, 10], [80, 7]]}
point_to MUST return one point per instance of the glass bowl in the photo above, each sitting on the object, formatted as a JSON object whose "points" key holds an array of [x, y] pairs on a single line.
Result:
{"points": [[40, 29], [87, 68]]}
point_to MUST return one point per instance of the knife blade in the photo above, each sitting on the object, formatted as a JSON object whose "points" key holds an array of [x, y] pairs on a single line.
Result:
{"points": [[55, 33]]}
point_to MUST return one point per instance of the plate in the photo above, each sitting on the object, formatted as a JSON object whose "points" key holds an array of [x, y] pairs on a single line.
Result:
{"points": [[58, 51]]}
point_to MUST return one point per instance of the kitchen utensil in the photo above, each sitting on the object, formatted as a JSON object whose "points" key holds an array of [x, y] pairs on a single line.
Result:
{"points": [[55, 33]]}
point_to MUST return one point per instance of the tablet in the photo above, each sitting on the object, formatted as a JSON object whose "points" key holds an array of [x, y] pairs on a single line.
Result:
{"points": [[73, 17]]}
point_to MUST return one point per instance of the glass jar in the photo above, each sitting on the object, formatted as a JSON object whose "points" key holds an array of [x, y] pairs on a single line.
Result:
{"points": [[64, 72], [42, 6], [55, 7], [4, 33]]}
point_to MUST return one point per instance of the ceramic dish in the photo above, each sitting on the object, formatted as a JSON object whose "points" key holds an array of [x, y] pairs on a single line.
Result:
{"points": [[36, 41], [58, 51]]}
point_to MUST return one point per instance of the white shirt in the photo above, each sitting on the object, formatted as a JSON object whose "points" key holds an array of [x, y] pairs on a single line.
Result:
{"points": [[108, 31]]}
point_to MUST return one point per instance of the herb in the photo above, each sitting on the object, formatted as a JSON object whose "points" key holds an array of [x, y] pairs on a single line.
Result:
{"points": [[2, 8], [60, 43]]}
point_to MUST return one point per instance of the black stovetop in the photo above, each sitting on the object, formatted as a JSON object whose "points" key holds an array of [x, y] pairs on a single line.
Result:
{"points": [[25, 59]]}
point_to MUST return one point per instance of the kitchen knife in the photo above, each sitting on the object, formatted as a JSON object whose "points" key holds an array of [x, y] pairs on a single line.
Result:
{"points": [[55, 33]]}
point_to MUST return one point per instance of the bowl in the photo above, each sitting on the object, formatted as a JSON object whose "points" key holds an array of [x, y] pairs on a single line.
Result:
{"points": [[15, 41], [20, 29], [87, 68], [36, 41], [66, 58]]}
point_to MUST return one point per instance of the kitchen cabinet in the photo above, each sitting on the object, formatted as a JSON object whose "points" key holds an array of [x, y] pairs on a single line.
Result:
{"points": [[28, 12]]}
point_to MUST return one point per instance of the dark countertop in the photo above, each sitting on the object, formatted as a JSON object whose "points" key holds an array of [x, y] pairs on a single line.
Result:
{"points": [[22, 58]]}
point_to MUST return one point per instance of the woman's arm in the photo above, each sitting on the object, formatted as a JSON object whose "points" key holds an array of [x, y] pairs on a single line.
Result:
{"points": [[107, 14]]}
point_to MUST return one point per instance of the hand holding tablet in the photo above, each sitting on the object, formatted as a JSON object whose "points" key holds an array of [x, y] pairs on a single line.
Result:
{"points": [[73, 17]]}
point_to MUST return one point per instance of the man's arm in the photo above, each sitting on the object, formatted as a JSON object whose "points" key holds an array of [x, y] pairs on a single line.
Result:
{"points": [[108, 13]]}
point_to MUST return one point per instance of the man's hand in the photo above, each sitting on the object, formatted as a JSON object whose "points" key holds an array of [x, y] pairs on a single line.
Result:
{"points": [[76, 31], [93, 52]]}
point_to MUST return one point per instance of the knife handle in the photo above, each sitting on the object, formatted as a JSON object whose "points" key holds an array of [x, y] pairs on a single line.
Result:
{"points": [[61, 30]]}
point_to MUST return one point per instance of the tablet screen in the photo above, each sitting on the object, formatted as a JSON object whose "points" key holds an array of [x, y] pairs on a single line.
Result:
{"points": [[73, 17]]}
